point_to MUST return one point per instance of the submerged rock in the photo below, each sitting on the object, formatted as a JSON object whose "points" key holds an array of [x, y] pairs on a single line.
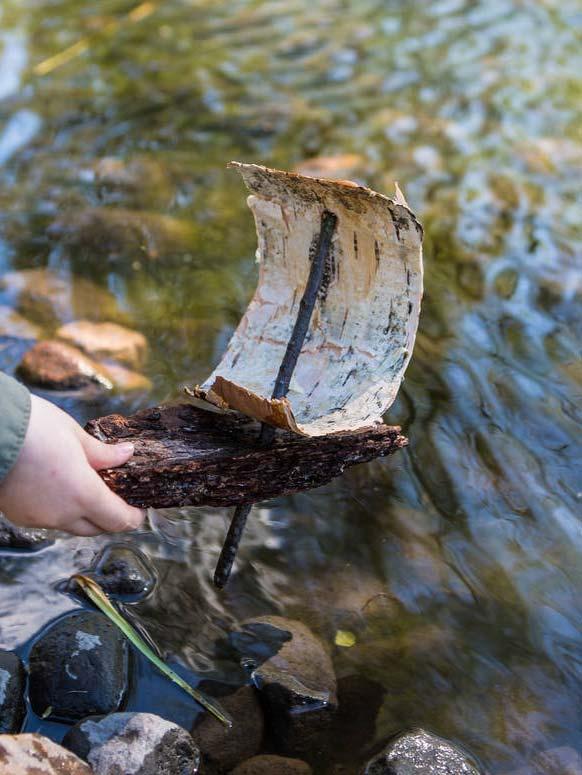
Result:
{"points": [[37, 755], [124, 572], [134, 743], [272, 765], [15, 325], [117, 232], [354, 726], [50, 299], [78, 668], [55, 365], [295, 678], [224, 748], [106, 340], [12, 685], [421, 753], [59, 366], [31, 539]]}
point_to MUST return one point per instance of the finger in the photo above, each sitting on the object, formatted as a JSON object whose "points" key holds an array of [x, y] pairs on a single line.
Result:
{"points": [[102, 455], [82, 527], [108, 511]]}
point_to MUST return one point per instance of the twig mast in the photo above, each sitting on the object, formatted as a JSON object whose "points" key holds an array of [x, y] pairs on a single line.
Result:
{"points": [[286, 369]]}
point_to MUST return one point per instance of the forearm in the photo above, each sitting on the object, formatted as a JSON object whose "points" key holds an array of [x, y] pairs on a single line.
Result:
{"points": [[14, 418]]}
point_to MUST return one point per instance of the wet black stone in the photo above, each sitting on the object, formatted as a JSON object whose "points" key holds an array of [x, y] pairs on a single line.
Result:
{"points": [[24, 538], [421, 753], [12, 685], [79, 668], [124, 572], [140, 743], [295, 679]]}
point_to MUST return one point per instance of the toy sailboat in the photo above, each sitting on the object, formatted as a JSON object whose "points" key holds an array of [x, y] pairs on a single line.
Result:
{"points": [[316, 360]]}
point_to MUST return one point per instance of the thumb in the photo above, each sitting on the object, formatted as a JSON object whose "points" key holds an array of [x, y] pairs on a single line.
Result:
{"points": [[100, 455]]}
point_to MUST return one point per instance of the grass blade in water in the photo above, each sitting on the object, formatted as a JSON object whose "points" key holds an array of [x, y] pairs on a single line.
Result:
{"points": [[98, 597]]}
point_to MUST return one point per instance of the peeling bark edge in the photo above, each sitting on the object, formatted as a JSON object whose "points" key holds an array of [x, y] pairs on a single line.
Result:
{"points": [[186, 456]]}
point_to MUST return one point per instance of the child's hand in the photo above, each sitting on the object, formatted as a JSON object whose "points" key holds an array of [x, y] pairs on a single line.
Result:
{"points": [[54, 483]]}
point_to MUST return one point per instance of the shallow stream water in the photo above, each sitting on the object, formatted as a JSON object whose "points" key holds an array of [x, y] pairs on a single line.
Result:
{"points": [[457, 563]]}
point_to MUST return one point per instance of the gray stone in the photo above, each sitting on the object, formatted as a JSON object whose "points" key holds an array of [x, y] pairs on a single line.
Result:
{"points": [[78, 668], [124, 572], [224, 748], [12, 685], [272, 765], [421, 753], [37, 755], [295, 678], [134, 744], [31, 539]]}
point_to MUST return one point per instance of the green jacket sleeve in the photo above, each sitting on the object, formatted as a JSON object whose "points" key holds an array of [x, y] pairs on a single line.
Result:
{"points": [[14, 417]]}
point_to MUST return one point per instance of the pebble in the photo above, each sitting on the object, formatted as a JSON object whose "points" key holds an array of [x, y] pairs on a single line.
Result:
{"points": [[12, 686], [58, 366], [295, 678], [37, 755], [224, 748], [78, 668], [419, 752], [134, 744], [124, 572]]}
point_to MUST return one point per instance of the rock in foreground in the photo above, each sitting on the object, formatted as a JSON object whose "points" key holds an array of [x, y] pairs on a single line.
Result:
{"points": [[296, 681], [224, 748], [421, 753], [78, 668], [134, 743], [12, 683], [272, 765], [37, 755]]}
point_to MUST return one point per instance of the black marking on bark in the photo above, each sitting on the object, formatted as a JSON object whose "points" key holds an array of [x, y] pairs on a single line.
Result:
{"points": [[377, 254], [350, 374], [390, 316], [408, 277], [355, 246], [347, 312], [235, 359], [409, 307], [313, 389]]}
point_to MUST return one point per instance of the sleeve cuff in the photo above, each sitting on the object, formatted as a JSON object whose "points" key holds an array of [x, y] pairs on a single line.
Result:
{"points": [[14, 418]]}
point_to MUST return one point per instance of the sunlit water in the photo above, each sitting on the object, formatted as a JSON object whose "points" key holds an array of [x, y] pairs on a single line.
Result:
{"points": [[457, 564]]}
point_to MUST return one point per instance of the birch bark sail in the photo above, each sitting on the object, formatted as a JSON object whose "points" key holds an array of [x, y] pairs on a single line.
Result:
{"points": [[366, 316]]}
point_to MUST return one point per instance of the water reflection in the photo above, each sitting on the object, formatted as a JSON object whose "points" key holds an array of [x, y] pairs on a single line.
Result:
{"points": [[456, 564]]}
